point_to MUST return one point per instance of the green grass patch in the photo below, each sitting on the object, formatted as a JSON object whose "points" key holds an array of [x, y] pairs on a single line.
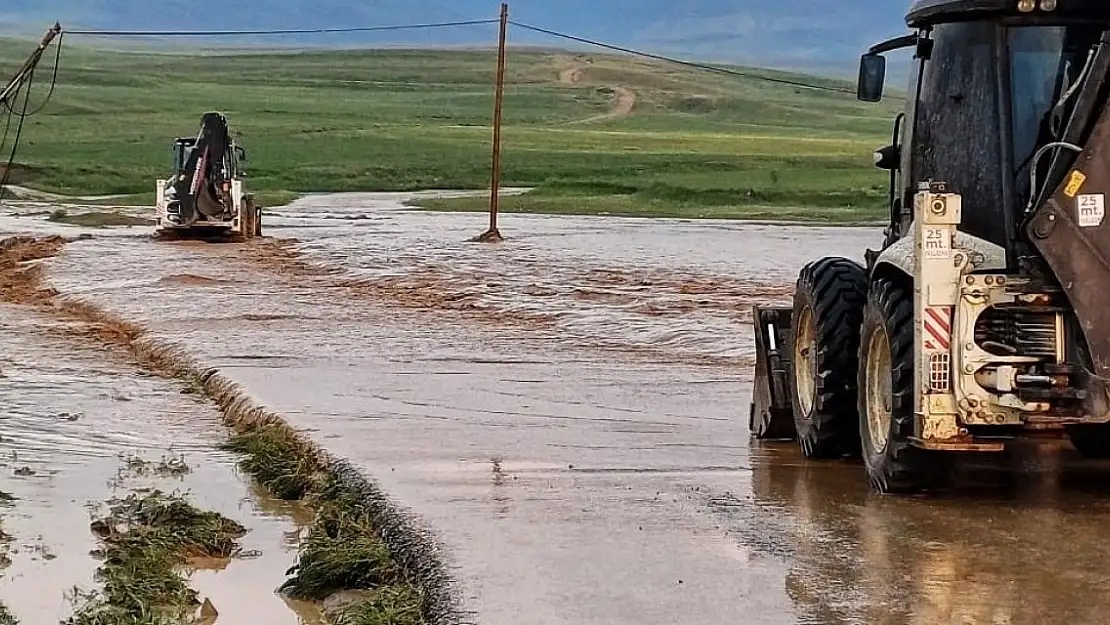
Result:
{"points": [[275, 198], [147, 539], [342, 552], [396, 605], [278, 462], [734, 204], [400, 120]]}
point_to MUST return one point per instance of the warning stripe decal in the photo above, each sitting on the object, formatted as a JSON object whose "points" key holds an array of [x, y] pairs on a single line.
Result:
{"points": [[938, 325]]}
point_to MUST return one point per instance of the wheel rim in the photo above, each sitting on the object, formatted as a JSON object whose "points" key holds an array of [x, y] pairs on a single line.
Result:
{"points": [[879, 395], [805, 360]]}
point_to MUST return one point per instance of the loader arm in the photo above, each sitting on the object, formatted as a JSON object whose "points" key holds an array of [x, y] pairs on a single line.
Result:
{"points": [[206, 174], [1069, 229]]}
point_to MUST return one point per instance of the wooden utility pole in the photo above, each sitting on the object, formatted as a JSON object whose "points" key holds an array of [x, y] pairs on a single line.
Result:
{"points": [[493, 234], [9, 93]]}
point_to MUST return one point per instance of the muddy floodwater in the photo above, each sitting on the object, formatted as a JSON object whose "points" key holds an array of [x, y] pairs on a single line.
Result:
{"points": [[78, 429], [567, 412]]}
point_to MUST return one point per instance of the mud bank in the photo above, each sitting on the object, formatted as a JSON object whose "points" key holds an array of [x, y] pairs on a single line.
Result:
{"points": [[81, 425], [411, 552]]}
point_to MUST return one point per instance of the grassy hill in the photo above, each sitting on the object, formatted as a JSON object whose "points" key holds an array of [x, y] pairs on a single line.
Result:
{"points": [[593, 133]]}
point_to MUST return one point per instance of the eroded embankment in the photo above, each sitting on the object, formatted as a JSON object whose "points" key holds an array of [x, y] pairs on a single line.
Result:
{"points": [[366, 559]]}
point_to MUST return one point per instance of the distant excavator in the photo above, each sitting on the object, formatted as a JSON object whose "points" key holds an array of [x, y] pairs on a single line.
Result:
{"points": [[204, 198]]}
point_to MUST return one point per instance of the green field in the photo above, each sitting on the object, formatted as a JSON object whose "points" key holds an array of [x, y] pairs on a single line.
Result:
{"points": [[694, 144]]}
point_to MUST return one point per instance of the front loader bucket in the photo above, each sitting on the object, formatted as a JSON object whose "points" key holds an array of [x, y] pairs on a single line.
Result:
{"points": [[772, 413]]}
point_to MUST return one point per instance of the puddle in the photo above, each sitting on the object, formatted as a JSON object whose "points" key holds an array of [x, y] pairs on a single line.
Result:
{"points": [[270, 546], [71, 423]]}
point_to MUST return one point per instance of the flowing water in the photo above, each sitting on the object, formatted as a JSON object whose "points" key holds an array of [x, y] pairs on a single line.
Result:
{"points": [[568, 410], [79, 427]]}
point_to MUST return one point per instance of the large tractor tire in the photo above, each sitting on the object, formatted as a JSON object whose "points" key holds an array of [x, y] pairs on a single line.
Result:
{"points": [[828, 309], [886, 395], [1090, 440]]}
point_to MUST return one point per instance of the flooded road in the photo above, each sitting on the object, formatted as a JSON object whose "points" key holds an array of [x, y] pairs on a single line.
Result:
{"points": [[79, 429], [567, 411], [1020, 542], [679, 288]]}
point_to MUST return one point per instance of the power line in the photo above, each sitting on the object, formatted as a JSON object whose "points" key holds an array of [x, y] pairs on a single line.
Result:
{"points": [[49, 94], [280, 31], [702, 66], [23, 81], [26, 86]]}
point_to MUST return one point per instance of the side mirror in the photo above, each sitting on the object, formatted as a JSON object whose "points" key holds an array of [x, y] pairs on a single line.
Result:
{"points": [[872, 77], [888, 158]]}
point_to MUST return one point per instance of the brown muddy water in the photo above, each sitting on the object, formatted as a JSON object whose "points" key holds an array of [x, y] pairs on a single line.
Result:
{"points": [[80, 427], [567, 412]]}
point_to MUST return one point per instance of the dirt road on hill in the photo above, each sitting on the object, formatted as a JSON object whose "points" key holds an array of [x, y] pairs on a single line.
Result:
{"points": [[624, 99]]}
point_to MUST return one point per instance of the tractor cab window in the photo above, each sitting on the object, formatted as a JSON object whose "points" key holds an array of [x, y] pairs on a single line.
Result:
{"points": [[181, 152], [956, 131], [1034, 78], [1045, 61]]}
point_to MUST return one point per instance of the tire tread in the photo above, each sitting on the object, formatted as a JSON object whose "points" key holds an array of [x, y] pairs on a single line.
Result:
{"points": [[836, 288]]}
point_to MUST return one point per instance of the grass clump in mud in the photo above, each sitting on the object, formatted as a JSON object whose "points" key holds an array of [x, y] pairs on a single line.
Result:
{"points": [[278, 462], [167, 466], [147, 539], [6, 616], [342, 561]]}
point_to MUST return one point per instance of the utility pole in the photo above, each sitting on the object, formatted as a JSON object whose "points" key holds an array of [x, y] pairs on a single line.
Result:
{"points": [[493, 235], [9, 93]]}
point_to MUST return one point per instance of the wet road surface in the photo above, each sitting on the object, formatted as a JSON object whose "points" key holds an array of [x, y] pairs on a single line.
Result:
{"points": [[72, 421], [585, 459]]}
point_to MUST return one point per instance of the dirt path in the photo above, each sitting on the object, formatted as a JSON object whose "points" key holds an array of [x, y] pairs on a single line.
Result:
{"points": [[624, 99]]}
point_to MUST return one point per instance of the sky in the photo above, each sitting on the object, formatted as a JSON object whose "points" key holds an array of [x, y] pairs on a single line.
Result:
{"points": [[783, 33]]}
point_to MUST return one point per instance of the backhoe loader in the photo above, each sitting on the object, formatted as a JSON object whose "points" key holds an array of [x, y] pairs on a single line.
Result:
{"points": [[204, 198], [984, 315]]}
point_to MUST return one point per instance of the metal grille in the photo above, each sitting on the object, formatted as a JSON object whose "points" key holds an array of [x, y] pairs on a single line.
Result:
{"points": [[1017, 331], [940, 373]]}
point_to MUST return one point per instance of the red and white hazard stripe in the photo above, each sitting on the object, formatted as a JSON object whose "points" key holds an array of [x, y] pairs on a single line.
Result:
{"points": [[938, 326]]}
